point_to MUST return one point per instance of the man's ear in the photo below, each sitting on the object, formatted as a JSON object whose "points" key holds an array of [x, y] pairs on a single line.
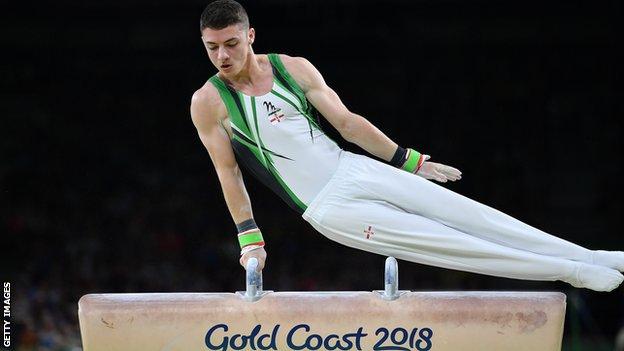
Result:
{"points": [[251, 35]]}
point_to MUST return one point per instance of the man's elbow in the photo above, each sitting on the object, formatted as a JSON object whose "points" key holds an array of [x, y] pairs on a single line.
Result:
{"points": [[350, 127]]}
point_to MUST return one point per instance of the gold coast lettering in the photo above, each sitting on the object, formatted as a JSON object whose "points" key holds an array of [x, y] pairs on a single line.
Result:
{"points": [[303, 337]]}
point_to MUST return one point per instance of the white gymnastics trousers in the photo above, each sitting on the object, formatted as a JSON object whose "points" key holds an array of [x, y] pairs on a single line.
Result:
{"points": [[375, 207]]}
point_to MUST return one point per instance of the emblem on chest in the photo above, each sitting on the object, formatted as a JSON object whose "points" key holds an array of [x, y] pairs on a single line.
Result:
{"points": [[274, 114]]}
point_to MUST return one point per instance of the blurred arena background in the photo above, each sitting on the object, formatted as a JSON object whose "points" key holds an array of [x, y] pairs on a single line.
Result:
{"points": [[105, 186]]}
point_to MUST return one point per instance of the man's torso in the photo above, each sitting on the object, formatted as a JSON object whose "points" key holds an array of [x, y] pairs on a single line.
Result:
{"points": [[275, 133]]}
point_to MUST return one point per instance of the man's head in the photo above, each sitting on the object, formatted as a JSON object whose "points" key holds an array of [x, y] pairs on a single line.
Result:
{"points": [[226, 35], [223, 13]]}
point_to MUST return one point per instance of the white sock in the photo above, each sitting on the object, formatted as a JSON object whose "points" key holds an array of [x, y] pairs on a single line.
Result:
{"points": [[598, 278], [611, 259]]}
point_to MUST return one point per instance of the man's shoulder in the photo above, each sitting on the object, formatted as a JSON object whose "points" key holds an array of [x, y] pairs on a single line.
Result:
{"points": [[206, 103], [299, 68], [207, 93], [294, 62]]}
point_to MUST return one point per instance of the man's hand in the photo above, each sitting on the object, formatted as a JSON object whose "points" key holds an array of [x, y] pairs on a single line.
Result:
{"points": [[437, 171], [259, 253]]}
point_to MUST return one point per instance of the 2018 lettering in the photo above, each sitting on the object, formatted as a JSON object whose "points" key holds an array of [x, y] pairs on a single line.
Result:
{"points": [[400, 341]]}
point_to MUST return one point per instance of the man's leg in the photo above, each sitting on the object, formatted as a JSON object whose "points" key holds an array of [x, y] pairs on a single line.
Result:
{"points": [[382, 228], [420, 196]]}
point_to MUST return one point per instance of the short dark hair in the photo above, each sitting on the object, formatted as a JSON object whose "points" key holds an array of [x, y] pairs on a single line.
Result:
{"points": [[222, 13]]}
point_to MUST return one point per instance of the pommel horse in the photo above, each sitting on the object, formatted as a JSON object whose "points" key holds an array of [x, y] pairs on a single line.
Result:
{"points": [[381, 320]]}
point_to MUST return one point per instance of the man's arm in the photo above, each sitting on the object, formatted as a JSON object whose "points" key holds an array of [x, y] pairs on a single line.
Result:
{"points": [[353, 127], [206, 112]]}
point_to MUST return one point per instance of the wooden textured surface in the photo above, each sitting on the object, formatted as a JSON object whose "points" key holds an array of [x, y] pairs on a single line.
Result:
{"points": [[327, 320]]}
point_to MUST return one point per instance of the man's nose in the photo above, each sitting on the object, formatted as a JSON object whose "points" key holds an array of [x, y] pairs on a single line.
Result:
{"points": [[222, 55]]}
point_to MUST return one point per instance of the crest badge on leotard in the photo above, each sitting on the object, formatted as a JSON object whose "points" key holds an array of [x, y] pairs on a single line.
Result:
{"points": [[275, 114]]}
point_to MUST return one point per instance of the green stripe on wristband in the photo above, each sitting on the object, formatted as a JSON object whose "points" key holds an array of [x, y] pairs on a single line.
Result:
{"points": [[245, 239], [411, 164]]}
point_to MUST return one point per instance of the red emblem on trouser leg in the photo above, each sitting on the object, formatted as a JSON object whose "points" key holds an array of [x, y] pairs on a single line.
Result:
{"points": [[369, 232]]}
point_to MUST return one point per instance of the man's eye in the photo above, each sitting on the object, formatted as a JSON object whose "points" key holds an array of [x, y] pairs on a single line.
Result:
{"points": [[233, 44], [212, 48]]}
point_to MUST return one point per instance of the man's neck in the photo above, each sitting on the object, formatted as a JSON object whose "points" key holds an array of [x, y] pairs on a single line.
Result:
{"points": [[250, 74]]}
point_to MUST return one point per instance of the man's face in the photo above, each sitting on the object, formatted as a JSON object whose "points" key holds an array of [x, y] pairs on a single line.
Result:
{"points": [[228, 47]]}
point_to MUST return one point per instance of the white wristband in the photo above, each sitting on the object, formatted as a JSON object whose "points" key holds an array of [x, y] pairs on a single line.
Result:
{"points": [[248, 248]]}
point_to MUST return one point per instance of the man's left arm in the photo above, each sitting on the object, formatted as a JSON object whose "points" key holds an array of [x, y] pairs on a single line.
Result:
{"points": [[353, 127]]}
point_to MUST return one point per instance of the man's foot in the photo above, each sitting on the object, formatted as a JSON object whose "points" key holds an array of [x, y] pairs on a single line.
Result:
{"points": [[597, 278], [611, 259]]}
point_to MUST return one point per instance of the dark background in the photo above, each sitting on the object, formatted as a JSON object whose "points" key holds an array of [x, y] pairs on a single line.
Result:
{"points": [[105, 186]]}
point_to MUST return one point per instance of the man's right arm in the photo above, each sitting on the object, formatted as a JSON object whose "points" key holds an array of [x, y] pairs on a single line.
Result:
{"points": [[207, 111]]}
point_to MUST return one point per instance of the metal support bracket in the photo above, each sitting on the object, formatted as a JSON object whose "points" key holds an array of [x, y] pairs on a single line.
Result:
{"points": [[253, 279], [391, 281]]}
